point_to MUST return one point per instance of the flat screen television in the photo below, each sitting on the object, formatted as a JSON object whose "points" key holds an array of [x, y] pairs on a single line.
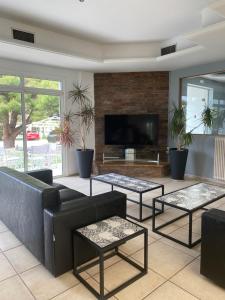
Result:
{"points": [[131, 130]]}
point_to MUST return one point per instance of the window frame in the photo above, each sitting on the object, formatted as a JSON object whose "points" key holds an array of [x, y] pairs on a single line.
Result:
{"points": [[26, 90], [180, 103]]}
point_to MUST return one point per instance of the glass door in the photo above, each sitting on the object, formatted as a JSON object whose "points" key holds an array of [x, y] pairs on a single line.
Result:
{"points": [[29, 123], [42, 114], [11, 131]]}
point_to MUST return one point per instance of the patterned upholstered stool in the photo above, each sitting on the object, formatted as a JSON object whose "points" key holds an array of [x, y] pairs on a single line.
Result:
{"points": [[106, 236]]}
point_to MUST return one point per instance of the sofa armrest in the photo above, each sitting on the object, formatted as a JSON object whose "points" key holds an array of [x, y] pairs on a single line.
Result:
{"points": [[22, 202], [44, 175], [60, 224]]}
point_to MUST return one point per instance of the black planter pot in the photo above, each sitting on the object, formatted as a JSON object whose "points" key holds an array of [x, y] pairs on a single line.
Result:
{"points": [[178, 160], [84, 160]]}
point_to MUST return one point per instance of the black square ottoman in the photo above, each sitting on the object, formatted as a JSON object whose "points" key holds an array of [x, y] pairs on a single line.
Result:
{"points": [[213, 246]]}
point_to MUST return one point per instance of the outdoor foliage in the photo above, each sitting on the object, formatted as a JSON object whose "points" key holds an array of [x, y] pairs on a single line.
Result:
{"points": [[38, 107]]}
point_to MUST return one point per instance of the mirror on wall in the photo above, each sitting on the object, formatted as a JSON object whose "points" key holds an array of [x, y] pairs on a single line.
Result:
{"points": [[200, 91]]}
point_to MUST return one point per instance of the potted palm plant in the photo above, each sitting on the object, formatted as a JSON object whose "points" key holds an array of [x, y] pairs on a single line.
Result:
{"points": [[81, 111], [178, 156]]}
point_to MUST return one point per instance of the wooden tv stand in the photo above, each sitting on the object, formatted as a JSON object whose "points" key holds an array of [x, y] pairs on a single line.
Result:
{"points": [[133, 168]]}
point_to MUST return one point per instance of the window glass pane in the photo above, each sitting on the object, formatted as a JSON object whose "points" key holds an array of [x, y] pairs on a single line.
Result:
{"points": [[11, 131], [42, 132], [202, 91], [198, 99], [9, 80], [42, 83]]}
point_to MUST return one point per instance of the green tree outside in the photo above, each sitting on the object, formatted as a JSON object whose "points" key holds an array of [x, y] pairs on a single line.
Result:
{"points": [[38, 107]]}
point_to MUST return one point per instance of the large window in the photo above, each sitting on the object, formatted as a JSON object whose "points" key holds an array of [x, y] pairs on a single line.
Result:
{"points": [[29, 123], [201, 91], [9, 80]]}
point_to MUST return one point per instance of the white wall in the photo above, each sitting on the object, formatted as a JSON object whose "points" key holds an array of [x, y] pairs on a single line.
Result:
{"points": [[68, 77]]}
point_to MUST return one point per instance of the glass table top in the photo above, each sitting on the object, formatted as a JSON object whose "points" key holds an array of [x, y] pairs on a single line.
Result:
{"points": [[108, 231], [194, 196], [130, 183]]}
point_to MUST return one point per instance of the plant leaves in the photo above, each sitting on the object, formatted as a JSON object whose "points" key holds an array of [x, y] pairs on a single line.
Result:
{"points": [[84, 112], [207, 117]]}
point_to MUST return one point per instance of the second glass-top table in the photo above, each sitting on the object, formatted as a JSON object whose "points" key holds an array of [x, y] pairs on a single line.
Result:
{"points": [[189, 200]]}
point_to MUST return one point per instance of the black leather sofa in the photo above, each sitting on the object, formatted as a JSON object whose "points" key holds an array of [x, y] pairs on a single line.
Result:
{"points": [[213, 246], [43, 215]]}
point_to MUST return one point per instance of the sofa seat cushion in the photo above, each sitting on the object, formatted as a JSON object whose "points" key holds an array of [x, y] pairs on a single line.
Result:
{"points": [[69, 194], [58, 186]]}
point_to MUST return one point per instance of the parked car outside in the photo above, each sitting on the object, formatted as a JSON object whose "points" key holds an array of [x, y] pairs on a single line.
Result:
{"points": [[32, 135]]}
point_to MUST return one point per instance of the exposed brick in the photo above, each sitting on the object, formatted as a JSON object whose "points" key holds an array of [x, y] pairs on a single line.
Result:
{"points": [[130, 93]]}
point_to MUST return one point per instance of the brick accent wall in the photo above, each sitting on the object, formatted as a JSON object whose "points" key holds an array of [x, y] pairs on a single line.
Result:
{"points": [[130, 93]]}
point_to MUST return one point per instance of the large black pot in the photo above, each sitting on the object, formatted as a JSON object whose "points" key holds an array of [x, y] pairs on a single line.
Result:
{"points": [[84, 160], [178, 160]]}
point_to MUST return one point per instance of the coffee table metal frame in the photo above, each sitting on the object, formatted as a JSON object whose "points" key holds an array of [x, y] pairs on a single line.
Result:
{"points": [[113, 248], [188, 212], [140, 202]]}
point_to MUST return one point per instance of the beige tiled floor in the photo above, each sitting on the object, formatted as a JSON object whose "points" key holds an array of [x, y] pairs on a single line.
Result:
{"points": [[173, 269]]}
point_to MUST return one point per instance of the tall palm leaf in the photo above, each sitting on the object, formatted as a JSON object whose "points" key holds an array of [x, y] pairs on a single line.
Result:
{"points": [[84, 112]]}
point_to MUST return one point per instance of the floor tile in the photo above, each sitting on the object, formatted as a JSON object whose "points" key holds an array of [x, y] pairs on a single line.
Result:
{"points": [[183, 221], [155, 236], [3, 228], [191, 280], [43, 285], [142, 287], [167, 229], [196, 226], [133, 210], [180, 234], [170, 291], [135, 244], [216, 204], [14, 289], [117, 273], [108, 262], [121, 272], [222, 207], [164, 259], [80, 292], [170, 213], [6, 270], [145, 224], [174, 185], [8, 241], [21, 258]]}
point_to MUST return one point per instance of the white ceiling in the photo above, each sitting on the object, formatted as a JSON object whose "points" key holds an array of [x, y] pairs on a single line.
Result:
{"points": [[220, 77], [94, 35], [110, 21]]}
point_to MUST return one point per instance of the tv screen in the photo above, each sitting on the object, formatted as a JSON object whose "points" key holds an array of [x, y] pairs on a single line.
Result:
{"points": [[131, 130]]}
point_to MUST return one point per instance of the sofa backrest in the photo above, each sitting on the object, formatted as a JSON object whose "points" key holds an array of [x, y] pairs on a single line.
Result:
{"points": [[45, 175], [22, 201]]}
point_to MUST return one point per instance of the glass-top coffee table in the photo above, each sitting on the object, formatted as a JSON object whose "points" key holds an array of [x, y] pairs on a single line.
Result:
{"points": [[135, 185], [189, 200]]}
